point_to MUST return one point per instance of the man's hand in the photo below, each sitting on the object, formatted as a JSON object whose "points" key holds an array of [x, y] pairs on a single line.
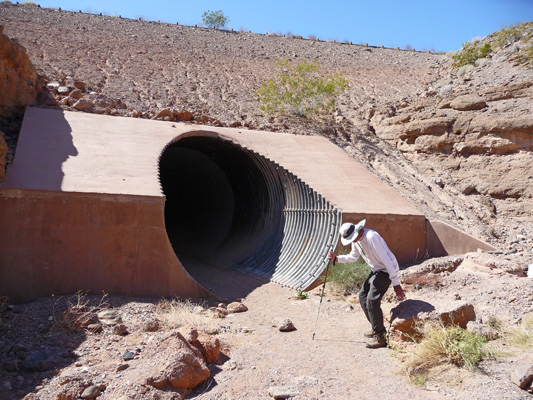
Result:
{"points": [[399, 292], [332, 256]]}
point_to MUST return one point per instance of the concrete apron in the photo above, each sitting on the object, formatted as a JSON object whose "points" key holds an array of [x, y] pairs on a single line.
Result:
{"points": [[100, 203]]}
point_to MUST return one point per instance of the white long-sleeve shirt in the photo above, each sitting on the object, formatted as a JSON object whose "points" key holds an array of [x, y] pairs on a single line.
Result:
{"points": [[376, 254]]}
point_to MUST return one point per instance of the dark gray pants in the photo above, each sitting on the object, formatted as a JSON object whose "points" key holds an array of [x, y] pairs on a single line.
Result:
{"points": [[370, 296]]}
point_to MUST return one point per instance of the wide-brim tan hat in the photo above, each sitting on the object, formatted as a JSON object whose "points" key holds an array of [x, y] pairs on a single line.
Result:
{"points": [[350, 231]]}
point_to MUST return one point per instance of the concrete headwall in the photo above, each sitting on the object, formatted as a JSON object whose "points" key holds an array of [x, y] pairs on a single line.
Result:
{"points": [[60, 243], [443, 239]]}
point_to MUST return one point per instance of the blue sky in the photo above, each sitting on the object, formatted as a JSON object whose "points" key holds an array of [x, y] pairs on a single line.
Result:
{"points": [[420, 24]]}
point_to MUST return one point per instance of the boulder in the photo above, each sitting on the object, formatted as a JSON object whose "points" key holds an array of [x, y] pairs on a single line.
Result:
{"points": [[171, 362], [83, 105], [165, 114], [486, 264], [480, 329], [76, 94], [407, 315], [183, 116], [468, 102], [522, 375], [236, 307], [208, 346]]}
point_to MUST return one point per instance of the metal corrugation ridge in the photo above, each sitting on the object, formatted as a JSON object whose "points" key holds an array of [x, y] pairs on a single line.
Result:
{"points": [[307, 222]]}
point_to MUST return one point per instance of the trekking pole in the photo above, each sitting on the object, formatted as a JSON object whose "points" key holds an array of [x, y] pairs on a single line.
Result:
{"points": [[321, 297]]}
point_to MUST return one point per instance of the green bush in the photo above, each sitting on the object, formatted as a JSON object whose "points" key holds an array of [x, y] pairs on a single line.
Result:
{"points": [[470, 52], [214, 19], [301, 89], [349, 276], [446, 345]]}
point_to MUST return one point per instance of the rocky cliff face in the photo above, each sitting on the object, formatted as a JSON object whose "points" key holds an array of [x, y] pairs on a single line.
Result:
{"points": [[455, 143], [19, 87]]}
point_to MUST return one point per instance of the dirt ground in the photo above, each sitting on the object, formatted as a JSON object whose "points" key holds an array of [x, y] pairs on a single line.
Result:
{"points": [[323, 361]]}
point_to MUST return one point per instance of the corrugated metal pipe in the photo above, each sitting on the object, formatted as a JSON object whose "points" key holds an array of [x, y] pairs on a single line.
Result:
{"points": [[229, 206]]}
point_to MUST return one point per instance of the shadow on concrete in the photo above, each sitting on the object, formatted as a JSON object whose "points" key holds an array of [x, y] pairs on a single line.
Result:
{"points": [[41, 152]]}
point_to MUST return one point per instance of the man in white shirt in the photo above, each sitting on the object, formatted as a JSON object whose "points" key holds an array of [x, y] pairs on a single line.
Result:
{"points": [[384, 270]]}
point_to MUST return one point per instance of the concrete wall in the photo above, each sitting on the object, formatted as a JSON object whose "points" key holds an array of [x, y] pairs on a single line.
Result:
{"points": [[60, 243], [404, 234], [444, 239]]}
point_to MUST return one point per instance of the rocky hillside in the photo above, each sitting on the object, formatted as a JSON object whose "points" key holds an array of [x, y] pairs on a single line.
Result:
{"points": [[456, 143]]}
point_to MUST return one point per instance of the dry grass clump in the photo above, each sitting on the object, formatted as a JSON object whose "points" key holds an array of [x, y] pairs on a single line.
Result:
{"points": [[80, 314], [520, 336], [441, 345], [183, 312]]}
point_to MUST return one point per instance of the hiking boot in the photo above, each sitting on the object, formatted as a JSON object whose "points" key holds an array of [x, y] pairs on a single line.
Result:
{"points": [[369, 334], [376, 342]]}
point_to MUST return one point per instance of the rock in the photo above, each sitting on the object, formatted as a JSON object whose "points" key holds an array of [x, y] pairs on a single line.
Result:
{"points": [[166, 113], [236, 307], [76, 94], [522, 374], [223, 311], [485, 264], [151, 326], [83, 105], [63, 91], [468, 102], [208, 346], [109, 317], [189, 333], [431, 126], [120, 330], [405, 316], [438, 182], [19, 85], [286, 326], [122, 367], [530, 271], [38, 361], [80, 85], [480, 329], [171, 362], [183, 116], [281, 392], [91, 392], [128, 355]]}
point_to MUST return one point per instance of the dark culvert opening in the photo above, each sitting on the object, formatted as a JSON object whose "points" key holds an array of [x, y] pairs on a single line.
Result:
{"points": [[227, 206]]}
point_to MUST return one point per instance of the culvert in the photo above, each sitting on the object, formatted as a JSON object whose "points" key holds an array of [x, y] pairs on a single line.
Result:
{"points": [[131, 206], [228, 206]]}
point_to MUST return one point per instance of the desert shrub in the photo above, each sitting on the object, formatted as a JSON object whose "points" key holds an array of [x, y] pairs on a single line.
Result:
{"points": [[301, 89], [470, 52], [79, 313], [29, 3], [446, 345], [349, 276], [522, 335], [183, 312], [301, 295], [510, 34], [214, 19]]}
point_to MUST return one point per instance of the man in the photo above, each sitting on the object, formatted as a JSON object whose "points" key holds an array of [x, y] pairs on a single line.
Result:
{"points": [[384, 270]]}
